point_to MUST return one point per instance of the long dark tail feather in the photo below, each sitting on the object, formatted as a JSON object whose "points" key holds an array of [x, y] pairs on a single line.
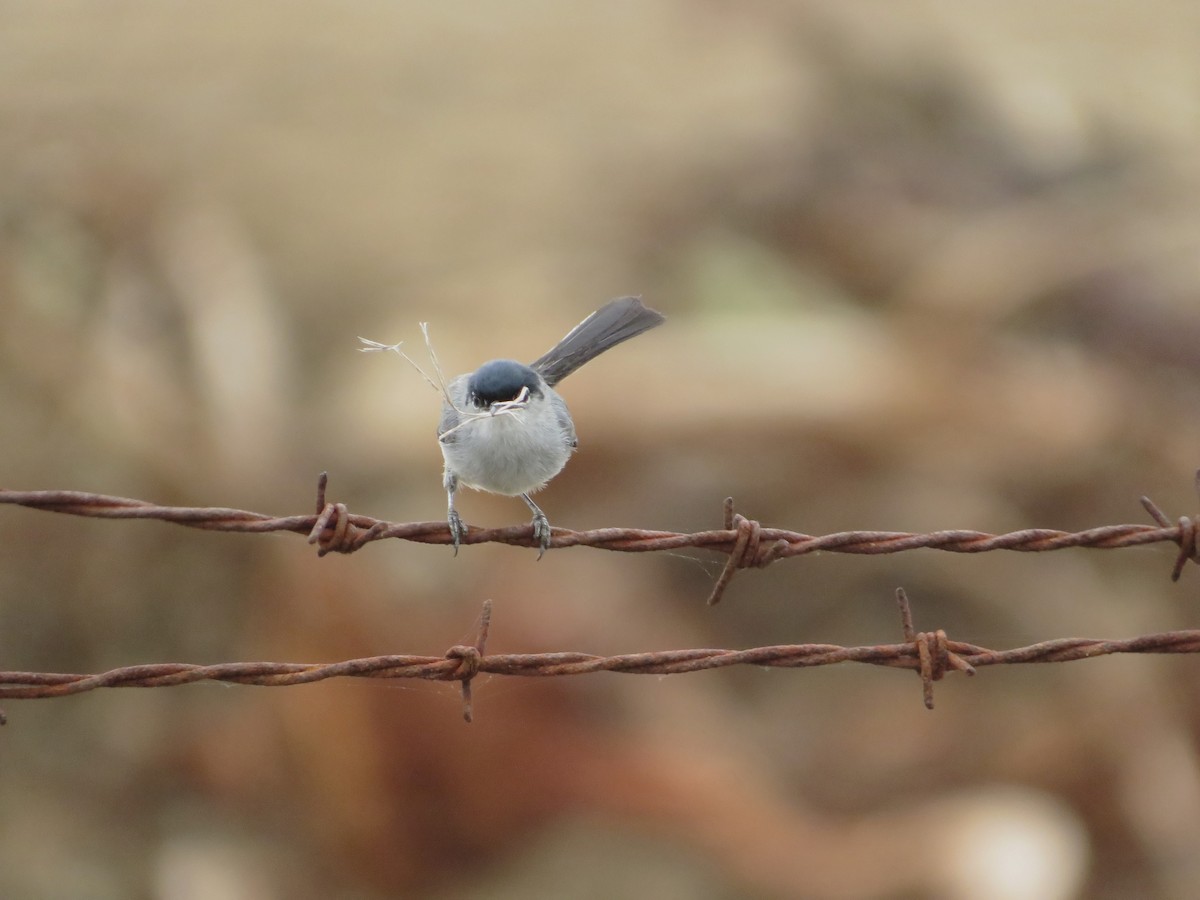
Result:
{"points": [[608, 326]]}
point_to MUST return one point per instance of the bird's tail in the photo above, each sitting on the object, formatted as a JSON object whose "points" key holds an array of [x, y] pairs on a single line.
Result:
{"points": [[608, 326]]}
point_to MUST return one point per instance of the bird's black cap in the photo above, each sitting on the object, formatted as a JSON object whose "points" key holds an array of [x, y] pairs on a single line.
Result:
{"points": [[501, 379]]}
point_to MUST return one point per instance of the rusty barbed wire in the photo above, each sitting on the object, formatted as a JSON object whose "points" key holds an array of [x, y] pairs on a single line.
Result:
{"points": [[748, 544], [931, 654]]}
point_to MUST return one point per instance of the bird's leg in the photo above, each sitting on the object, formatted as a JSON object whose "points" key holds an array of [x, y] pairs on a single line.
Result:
{"points": [[541, 525], [457, 529]]}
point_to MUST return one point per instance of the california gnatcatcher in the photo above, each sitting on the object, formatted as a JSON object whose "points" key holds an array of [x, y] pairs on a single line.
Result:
{"points": [[504, 428]]}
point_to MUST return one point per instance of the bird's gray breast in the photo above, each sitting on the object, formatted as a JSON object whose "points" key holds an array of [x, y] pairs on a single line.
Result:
{"points": [[512, 453]]}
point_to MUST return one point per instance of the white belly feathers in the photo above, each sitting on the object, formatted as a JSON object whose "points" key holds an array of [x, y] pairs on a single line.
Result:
{"points": [[516, 462]]}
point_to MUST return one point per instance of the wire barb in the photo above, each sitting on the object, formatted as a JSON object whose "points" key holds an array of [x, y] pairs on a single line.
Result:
{"points": [[1186, 538], [746, 550], [333, 531], [933, 651], [469, 659]]}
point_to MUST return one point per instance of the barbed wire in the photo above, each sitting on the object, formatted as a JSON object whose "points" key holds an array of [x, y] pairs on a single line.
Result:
{"points": [[333, 529], [931, 654]]}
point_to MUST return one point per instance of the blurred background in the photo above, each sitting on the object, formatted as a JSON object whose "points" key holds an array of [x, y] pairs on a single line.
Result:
{"points": [[926, 265]]}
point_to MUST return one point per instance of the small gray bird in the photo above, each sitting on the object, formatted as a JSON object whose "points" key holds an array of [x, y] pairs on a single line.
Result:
{"points": [[506, 430]]}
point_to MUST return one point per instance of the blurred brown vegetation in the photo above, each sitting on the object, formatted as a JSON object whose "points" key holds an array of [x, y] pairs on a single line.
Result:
{"points": [[926, 266]]}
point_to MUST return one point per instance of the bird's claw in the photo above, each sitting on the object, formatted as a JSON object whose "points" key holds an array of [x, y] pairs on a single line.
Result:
{"points": [[457, 529], [541, 532]]}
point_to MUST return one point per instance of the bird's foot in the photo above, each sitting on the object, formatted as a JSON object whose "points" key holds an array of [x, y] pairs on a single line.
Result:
{"points": [[457, 529], [541, 532]]}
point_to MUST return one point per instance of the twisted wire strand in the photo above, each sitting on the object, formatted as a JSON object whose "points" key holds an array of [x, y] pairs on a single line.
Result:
{"points": [[334, 529], [931, 655]]}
